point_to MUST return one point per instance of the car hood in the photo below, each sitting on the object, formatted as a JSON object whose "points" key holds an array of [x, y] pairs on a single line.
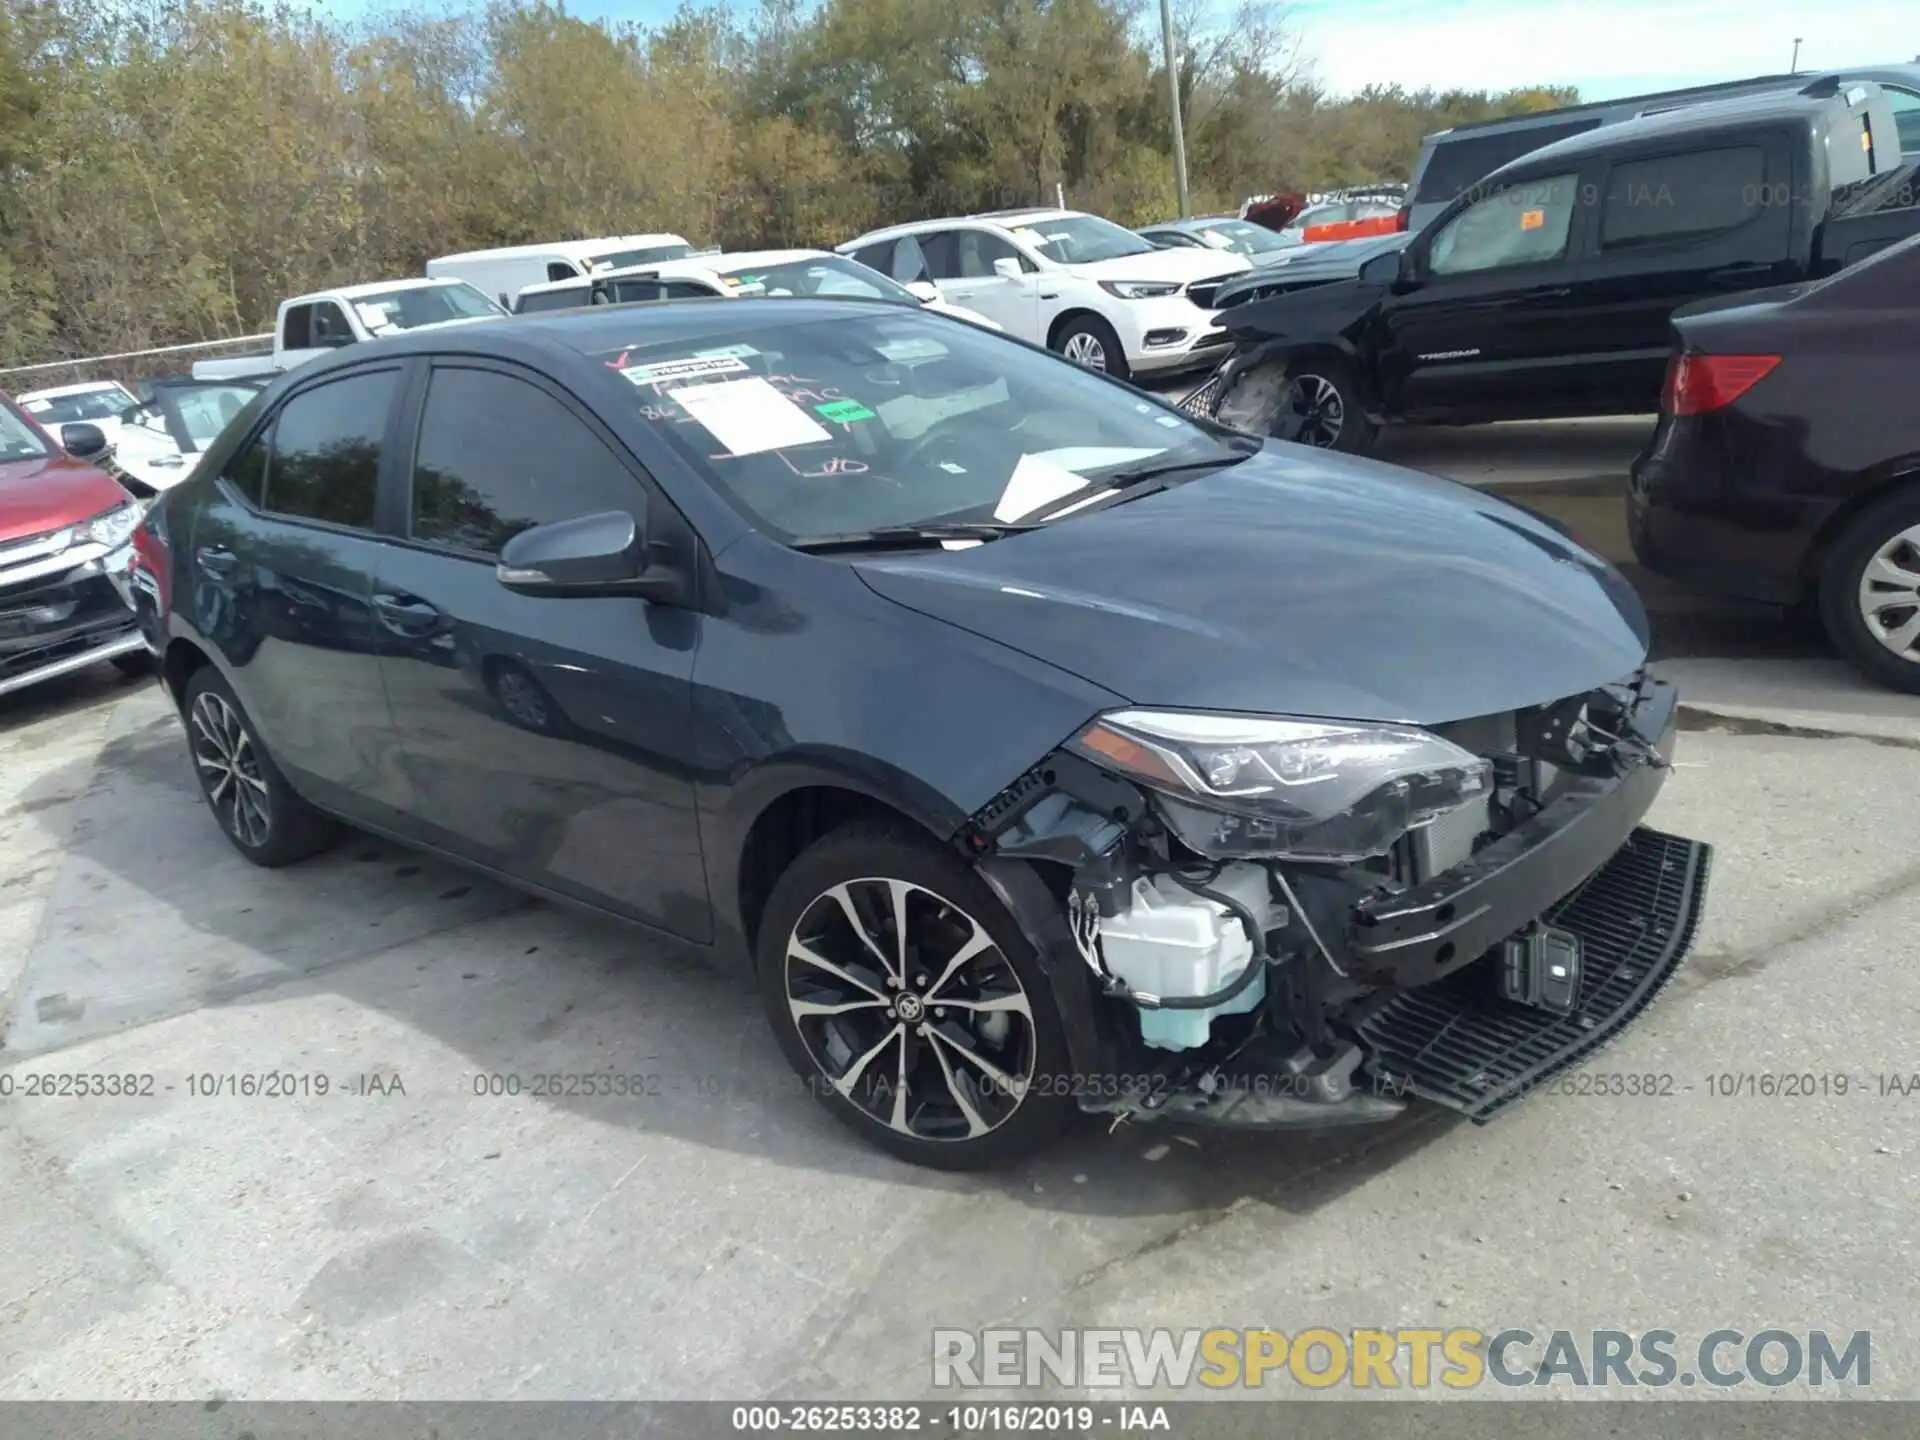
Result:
{"points": [[41, 495], [1296, 583], [1327, 260], [1177, 265]]}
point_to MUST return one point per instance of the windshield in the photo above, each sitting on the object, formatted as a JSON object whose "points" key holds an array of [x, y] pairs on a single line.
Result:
{"points": [[422, 305], [1240, 237], [102, 404], [1081, 239], [205, 409], [895, 417], [821, 275], [645, 255], [17, 439]]}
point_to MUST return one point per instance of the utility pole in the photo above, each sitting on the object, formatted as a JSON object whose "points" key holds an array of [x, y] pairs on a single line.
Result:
{"points": [[1795, 66], [1173, 99]]}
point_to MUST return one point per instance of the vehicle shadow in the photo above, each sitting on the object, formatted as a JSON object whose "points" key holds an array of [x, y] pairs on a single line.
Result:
{"points": [[523, 989], [73, 694]]}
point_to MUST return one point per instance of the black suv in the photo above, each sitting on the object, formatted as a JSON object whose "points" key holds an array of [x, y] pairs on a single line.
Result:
{"points": [[1548, 290]]}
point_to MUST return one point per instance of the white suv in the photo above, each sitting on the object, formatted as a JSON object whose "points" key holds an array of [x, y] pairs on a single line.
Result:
{"points": [[1082, 286]]}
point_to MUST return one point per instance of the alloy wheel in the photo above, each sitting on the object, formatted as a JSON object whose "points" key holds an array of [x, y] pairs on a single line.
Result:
{"points": [[1323, 413], [1085, 349], [910, 1010], [1889, 594], [230, 770]]}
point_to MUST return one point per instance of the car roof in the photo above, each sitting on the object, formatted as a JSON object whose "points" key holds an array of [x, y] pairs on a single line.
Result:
{"points": [[59, 392], [1197, 222], [573, 249], [599, 329], [733, 259], [1004, 219], [1735, 110], [376, 287]]}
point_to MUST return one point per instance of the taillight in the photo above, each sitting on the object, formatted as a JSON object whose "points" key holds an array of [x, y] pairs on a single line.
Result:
{"points": [[1404, 220], [1698, 383]]}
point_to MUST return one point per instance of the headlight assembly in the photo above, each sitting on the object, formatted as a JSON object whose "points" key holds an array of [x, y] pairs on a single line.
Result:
{"points": [[114, 528], [1240, 786], [1139, 289]]}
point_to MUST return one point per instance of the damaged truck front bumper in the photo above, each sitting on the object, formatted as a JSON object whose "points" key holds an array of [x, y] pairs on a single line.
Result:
{"points": [[1469, 990]]}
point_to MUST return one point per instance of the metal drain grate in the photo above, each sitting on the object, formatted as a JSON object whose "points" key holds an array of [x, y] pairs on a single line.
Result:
{"points": [[1458, 1044]]}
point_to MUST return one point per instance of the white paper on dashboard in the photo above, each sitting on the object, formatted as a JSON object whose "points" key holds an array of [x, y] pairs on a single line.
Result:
{"points": [[1035, 482], [749, 417]]}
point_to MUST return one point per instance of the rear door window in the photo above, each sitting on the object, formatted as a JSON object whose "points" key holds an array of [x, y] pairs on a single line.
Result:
{"points": [[323, 453], [1681, 197], [498, 455]]}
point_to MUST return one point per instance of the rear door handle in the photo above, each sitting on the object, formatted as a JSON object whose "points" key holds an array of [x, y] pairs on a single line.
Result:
{"points": [[406, 614], [216, 560], [1745, 270]]}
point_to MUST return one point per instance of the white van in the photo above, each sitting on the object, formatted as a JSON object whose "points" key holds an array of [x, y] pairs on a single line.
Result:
{"points": [[504, 273]]}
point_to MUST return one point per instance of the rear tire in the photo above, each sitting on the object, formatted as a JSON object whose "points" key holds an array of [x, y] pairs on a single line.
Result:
{"points": [[251, 801], [1334, 412], [134, 662], [1870, 591], [944, 1049], [1089, 341]]}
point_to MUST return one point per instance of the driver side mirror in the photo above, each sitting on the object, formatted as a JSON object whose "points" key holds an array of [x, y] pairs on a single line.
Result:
{"points": [[925, 291], [602, 554], [1390, 271], [1008, 268], [83, 441]]}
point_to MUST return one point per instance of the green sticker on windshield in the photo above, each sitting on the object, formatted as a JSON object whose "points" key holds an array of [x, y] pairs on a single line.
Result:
{"points": [[844, 412]]}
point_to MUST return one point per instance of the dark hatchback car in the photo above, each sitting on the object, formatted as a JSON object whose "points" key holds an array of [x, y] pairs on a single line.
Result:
{"points": [[1034, 744], [1786, 464], [66, 561]]}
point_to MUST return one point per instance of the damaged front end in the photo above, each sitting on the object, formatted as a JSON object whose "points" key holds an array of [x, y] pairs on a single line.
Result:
{"points": [[1274, 922]]}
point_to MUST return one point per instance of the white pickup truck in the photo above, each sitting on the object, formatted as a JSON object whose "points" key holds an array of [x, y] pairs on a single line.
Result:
{"points": [[310, 325]]}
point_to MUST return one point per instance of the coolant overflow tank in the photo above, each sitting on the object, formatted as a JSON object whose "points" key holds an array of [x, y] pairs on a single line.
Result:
{"points": [[1170, 942]]}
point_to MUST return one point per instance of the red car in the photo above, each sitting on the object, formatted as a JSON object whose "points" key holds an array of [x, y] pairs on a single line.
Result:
{"points": [[66, 560]]}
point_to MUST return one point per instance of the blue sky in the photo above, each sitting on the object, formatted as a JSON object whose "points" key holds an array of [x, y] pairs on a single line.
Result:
{"points": [[1604, 47]]}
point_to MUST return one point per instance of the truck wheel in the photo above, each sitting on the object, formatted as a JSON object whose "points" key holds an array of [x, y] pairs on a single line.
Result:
{"points": [[1870, 591], [910, 1003], [1333, 414], [1088, 340]]}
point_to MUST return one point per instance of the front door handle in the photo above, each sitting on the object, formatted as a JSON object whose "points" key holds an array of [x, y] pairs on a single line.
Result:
{"points": [[406, 614], [216, 559]]}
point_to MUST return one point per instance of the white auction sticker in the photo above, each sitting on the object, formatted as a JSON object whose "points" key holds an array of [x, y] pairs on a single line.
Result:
{"points": [[749, 417], [695, 368]]}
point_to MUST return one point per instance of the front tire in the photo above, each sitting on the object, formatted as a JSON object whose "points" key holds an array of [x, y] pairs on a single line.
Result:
{"points": [[1090, 342], [910, 1002], [1332, 411], [251, 801], [1870, 591]]}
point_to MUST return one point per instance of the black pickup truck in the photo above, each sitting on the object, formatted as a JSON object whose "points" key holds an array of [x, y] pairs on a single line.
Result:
{"points": [[1547, 289]]}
